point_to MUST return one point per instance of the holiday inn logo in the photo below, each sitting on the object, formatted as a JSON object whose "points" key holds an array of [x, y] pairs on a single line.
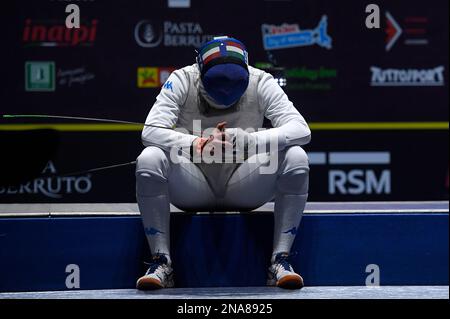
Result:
{"points": [[40, 76], [318, 78], [312, 74]]}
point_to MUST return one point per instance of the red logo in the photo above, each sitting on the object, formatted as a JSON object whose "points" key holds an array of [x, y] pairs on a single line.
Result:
{"points": [[413, 29], [50, 34], [164, 74]]}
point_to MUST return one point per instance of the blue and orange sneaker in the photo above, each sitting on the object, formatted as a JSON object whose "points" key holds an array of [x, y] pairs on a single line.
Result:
{"points": [[159, 274], [282, 275]]}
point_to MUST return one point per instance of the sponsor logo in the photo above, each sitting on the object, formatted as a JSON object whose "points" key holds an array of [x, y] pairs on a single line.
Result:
{"points": [[72, 77], [291, 36], [292, 231], [170, 34], [393, 31], [407, 77], [52, 187], [51, 34], [146, 35], [302, 78], [168, 86], [412, 30], [148, 78], [164, 74], [311, 79], [153, 77], [278, 73], [39, 76], [355, 181], [179, 3], [152, 231]]}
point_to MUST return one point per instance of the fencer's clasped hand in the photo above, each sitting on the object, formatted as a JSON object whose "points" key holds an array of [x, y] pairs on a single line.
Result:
{"points": [[217, 140], [228, 144], [242, 140]]}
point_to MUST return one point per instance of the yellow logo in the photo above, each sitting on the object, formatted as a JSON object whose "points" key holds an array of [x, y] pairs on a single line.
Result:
{"points": [[148, 78]]}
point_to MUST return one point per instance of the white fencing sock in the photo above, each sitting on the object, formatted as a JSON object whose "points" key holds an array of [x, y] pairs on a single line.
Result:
{"points": [[290, 201], [154, 205]]}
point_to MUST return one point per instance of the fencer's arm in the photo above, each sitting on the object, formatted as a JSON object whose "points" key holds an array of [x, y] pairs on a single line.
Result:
{"points": [[289, 126], [165, 113]]}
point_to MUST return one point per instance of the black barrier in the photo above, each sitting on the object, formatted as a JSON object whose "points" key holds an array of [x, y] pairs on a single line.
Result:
{"points": [[342, 167], [376, 99]]}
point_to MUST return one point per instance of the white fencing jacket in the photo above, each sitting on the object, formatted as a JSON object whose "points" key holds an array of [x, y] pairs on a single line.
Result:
{"points": [[183, 100]]}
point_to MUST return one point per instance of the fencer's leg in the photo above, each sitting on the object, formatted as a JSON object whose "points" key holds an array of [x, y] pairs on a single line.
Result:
{"points": [[188, 187], [248, 188], [152, 171], [290, 197]]}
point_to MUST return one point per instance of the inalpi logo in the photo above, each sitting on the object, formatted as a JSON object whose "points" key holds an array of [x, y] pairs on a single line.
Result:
{"points": [[50, 34]]}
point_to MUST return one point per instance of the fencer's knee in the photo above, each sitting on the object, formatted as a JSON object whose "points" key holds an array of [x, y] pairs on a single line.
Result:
{"points": [[295, 157], [152, 169], [153, 161], [294, 176]]}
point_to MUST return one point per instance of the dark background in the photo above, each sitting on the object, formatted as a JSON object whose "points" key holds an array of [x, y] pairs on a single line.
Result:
{"points": [[419, 158]]}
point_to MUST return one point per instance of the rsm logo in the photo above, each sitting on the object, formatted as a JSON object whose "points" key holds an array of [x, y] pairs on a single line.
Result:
{"points": [[349, 173]]}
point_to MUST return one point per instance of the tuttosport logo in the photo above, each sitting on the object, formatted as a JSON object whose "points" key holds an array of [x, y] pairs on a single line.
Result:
{"points": [[407, 77], [56, 34], [53, 187], [170, 34]]}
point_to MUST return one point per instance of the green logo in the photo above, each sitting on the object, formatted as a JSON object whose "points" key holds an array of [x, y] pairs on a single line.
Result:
{"points": [[302, 78], [40, 76], [305, 73], [311, 79]]}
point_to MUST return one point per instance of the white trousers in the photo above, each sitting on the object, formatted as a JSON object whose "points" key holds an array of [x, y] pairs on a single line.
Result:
{"points": [[160, 181]]}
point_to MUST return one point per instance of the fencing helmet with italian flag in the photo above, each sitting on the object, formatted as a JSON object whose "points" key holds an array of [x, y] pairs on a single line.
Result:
{"points": [[223, 64]]}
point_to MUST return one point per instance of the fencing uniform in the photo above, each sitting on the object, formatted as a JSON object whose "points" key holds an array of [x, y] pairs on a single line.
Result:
{"points": [[164, 174]]}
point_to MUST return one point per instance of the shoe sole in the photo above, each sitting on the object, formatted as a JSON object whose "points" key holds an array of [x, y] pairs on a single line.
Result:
{"points": [[290, 282], [148, 284]]}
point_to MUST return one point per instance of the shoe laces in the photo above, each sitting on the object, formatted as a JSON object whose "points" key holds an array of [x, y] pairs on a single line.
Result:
{"points": [[157, 261], [282, 260]]}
